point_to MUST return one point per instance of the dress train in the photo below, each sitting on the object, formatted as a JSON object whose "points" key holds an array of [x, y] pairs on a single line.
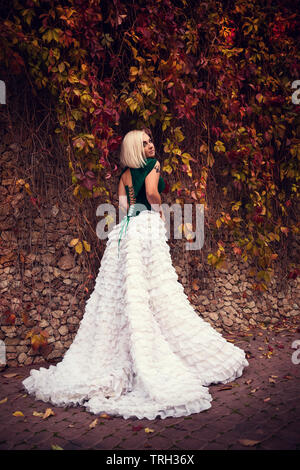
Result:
{"points": [[141, 350]]}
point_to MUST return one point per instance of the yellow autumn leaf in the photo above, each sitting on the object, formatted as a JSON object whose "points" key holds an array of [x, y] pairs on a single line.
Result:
{"points": [[284, 230], [61, 67], [168, 169], [248, 442], [79, 248], [93, 423], [75, 192], [56, 447], [188, 226], [106, 416], [18, 413], [219, 146], [48, 413], [27, 187], [147, 430], [36, 413], [74, 242], [87, 246], [3, 401], [134, 70]]}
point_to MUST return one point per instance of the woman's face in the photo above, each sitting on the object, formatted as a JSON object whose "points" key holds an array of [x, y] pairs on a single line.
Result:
{"points": [[149, 148]]}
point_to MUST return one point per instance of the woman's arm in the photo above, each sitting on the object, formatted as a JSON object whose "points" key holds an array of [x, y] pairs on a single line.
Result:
{"points": [[123, 202], [151, 185]]}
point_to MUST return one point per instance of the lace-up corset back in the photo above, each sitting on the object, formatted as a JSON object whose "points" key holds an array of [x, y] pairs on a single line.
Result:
{"points": [[134, 181], [130, 188]]}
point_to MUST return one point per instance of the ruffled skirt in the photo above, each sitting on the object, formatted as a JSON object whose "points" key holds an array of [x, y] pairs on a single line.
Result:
{"points": [[141, 350]]}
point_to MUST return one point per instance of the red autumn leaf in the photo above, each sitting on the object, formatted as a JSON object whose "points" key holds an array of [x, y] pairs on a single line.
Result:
{"points": [[137, 428], [9, 317], [45, 334], [25, 318]]}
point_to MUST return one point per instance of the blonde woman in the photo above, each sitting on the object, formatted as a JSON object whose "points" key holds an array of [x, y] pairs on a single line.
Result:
{"points": [[141, 350]]}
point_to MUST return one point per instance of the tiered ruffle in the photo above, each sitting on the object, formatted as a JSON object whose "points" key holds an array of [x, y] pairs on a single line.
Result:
{"points": [[141, 350]]}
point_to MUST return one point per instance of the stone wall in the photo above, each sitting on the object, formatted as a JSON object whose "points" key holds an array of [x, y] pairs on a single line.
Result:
{"points": [[45, 284]]}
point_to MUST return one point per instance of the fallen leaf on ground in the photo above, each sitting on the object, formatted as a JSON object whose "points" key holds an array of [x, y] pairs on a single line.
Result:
{"points": [[36, 413], [56, 447], [248, 382], [267, 399], [287, 377], [272, 381], [248, 442], [48, 413], [3, 401], [71, 426], [8, 376], [18, 413], [104, 415], [149, 430], [254, 390], [227, 387], [93, 423], [137, 428]]}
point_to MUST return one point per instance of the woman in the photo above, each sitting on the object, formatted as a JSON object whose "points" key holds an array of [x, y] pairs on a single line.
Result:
{"points": [[140, 350]]}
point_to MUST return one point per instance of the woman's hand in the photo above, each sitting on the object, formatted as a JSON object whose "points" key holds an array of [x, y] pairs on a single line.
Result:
{"points": [[162, 215]]}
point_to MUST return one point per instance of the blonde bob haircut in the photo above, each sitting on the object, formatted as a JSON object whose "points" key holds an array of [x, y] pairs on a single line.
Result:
{"points": [[132, 150]]}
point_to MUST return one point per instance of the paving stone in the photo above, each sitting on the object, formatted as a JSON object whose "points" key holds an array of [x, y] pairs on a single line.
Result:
{"points": [[190, 443], [160, 442], [110, 442], [235, 414]]}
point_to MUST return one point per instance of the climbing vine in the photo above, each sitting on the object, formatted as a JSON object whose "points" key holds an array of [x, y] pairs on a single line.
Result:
{"points": [[223, 69]]}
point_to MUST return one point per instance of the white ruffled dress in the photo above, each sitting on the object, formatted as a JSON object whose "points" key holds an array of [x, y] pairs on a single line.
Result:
{"points": [[141, 350]]}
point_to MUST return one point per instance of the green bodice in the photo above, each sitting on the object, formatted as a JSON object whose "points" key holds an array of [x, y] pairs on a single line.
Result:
{"points": [[136, 195], [138, 176]]}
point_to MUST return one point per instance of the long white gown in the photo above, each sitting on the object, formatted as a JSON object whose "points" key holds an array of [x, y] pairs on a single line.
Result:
{"points": [[141, 350]]}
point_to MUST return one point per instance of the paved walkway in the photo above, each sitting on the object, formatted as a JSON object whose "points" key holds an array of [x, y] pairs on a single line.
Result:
{"points": [[260, 410]]}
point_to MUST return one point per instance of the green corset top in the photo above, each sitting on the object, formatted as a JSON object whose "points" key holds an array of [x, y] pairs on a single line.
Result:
{"points": [[136, 194]]}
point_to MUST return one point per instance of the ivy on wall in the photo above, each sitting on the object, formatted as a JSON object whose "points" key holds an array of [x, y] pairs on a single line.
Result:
{"points": [[224, 69]]}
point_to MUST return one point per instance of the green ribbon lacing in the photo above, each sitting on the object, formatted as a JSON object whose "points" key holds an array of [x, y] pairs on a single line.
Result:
{"points": [[124, 223]]}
